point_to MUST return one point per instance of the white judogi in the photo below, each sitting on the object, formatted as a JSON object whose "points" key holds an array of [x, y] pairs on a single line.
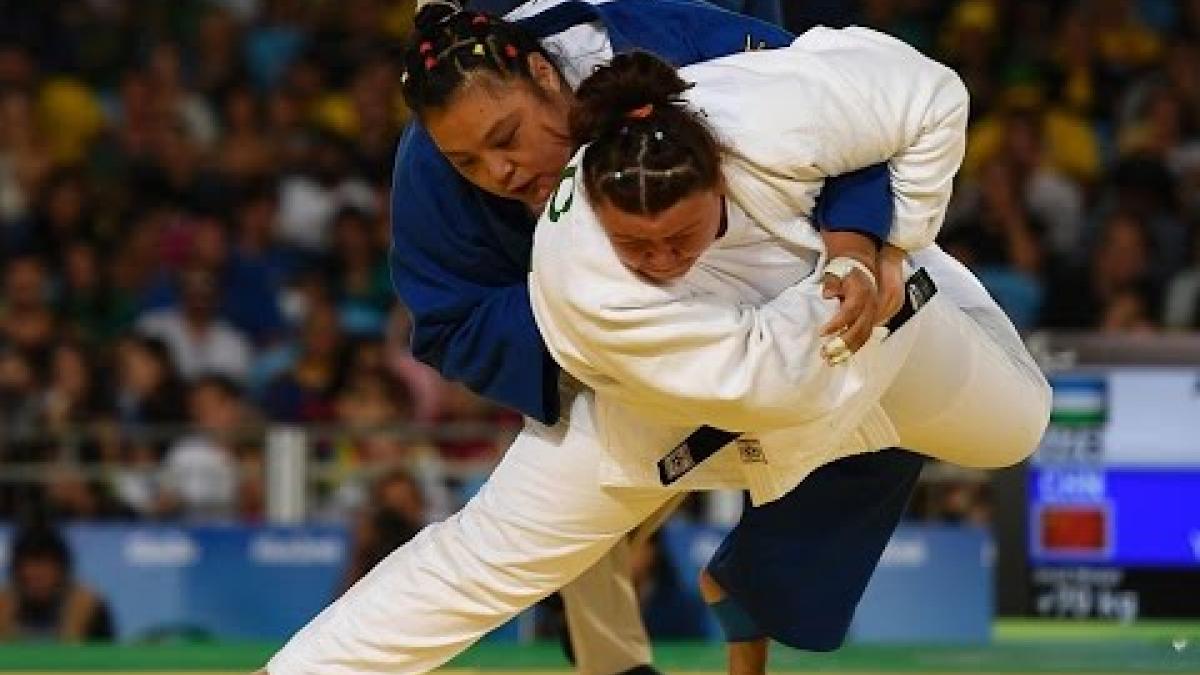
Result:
{"points": [[733, 342], [747, 315]]}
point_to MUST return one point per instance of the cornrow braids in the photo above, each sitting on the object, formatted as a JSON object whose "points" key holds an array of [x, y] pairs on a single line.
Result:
{"points": [[648, 149], [451, 45], [637, 182]]}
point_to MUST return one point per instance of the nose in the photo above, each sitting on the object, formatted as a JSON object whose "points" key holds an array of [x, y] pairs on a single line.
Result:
{"points": [[501, 169], [660, 258]]}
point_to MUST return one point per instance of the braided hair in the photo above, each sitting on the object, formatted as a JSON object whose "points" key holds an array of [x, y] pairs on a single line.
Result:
{"points": [[452, 44], [648, 150]]}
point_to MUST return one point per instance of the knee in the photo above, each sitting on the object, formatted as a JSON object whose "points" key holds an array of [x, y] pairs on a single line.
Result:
{"points": [[710, 590], [810, 639], [1026, 419], [1022, 439]]}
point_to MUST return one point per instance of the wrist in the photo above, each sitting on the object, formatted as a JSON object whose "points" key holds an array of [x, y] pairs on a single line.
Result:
{"points": [[853, 245], [842, 266]]}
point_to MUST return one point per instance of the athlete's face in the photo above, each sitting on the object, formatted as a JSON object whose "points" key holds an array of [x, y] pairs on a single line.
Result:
{"points": [[663, 247], [508, 136]]}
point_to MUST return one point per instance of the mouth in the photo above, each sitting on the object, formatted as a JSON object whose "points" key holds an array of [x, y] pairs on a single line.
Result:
{"points": [[535, 191], [665, 275]]}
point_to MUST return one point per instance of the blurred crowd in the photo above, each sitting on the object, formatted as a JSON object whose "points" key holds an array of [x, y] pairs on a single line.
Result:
{"points": [[194, 226], [1079, 201], [194, 235]]}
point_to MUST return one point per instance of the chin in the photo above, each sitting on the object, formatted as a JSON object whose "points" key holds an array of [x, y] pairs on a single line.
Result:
{"points": [[659, 280], [536, 206]]}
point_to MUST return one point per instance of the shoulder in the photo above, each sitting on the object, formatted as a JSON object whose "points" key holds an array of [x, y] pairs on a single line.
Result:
{"points": [[569, 245]]}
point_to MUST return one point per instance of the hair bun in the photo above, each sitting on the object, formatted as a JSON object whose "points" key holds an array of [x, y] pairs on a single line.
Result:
{"points": [[630, 82], [434, 12]]}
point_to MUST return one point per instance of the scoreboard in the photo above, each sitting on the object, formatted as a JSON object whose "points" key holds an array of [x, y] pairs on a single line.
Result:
{"points": [[1113, 508]]}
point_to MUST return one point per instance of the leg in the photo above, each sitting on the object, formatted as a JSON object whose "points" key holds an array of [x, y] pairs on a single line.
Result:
{"points": [[540, 521], [746, 646], [604, 618], [969, 392], [799, 565]]}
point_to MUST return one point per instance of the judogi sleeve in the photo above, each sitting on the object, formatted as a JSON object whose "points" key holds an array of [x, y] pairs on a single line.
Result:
{"points": [[838, 100], [914, 109], [687, 31], [459, 262]]}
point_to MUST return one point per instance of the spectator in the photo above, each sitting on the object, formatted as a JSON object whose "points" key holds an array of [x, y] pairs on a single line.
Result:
{"points": [[1083, 297], [1129, 311], [93, 312], [311, 197], [395, 513], [998, 238], [200, 471], [1125, 44], [671, 610], [63, 214], [1143, 185], [27, 319], [70, 402], [964, 503], [371, 406], [305, 392], [426, 385], [148, 403], [248, 297], [200, 343], [218, 38], [45, 603], [360, 277], [18, 393], [256, 251], [245, 154], [1052, 198], [184, 107], [148, 389], [19, 384], [274, 42], [71, 496], [1182, 306], [379, 115], [25, 161]]}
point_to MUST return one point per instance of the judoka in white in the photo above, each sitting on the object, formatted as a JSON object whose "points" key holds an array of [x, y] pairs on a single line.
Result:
{"points": [[733, 343]]}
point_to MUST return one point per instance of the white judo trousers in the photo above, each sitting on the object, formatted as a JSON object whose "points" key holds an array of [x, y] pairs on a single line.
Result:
{"points": [[969, 394]]}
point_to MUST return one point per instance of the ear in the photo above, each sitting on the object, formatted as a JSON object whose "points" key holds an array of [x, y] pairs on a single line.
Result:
{"points": [[545, 74]]}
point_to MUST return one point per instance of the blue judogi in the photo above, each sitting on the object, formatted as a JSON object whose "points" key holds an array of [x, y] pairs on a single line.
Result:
{"points": [[460, 260]]}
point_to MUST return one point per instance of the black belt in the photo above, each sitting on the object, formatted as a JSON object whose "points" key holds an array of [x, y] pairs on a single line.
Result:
{"points": [[706, 441]]}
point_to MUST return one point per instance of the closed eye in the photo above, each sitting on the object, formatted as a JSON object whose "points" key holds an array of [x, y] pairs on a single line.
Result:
{"points": [[507, 140]]}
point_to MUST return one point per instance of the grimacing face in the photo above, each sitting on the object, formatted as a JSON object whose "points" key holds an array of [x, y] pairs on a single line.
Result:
{"points": [[508, 136], [663, 247]]}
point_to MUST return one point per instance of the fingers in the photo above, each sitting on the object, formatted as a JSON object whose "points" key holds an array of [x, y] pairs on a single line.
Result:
{"points": [[851, 325], [835, 351], [839, 322], [831, 287], [889, 303], [859, 330]]}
